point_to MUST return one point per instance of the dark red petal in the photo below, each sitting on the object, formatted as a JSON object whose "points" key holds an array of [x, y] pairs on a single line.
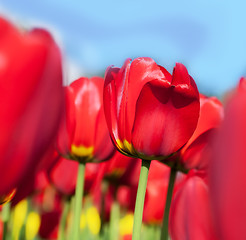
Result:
{"points": [[110, 102]]}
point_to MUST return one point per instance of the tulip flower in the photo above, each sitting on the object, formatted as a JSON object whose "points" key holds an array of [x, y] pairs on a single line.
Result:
{"points": [[31, 101], [191, 213], [211, 116], [150, 114], [228, 170], [84, 134]]}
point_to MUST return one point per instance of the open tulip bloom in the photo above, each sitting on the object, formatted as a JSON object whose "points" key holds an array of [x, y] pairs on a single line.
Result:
{"points": [[151, 114]]}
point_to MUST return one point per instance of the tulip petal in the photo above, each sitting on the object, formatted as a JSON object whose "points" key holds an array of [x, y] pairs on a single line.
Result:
{"points": [[211, 115], [142, 70], [165, 118], [110, 102], [196, 155], [87, 101]]}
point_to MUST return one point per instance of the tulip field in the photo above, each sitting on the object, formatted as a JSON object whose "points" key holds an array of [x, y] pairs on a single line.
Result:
{"points": [[139, 154]]}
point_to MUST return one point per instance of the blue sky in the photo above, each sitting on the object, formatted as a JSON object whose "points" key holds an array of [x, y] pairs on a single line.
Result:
{"points": [[209, 37]]}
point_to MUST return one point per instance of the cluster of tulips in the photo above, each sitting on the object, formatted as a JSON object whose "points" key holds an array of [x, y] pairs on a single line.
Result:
{"points": [[77, 161]]}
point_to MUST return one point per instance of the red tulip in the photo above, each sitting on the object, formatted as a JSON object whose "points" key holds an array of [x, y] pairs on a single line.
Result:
{"points": [[84, 135], [228, 170], [211, 116], [63, 175], [150, 113], [190, 215], [31, 100]]}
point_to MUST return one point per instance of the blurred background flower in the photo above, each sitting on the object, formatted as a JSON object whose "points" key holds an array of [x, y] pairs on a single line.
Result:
{"points": [[206, 36]]}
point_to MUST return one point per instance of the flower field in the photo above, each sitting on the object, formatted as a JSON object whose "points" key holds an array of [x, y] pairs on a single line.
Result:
{"points": [[139, 153]]}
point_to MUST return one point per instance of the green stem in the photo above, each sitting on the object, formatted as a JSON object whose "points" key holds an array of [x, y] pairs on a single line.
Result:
{"points": [[5, 218], [78, 201], [164, 229], [70, 226], [138, 213], [114, 221], [63, 220]]}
